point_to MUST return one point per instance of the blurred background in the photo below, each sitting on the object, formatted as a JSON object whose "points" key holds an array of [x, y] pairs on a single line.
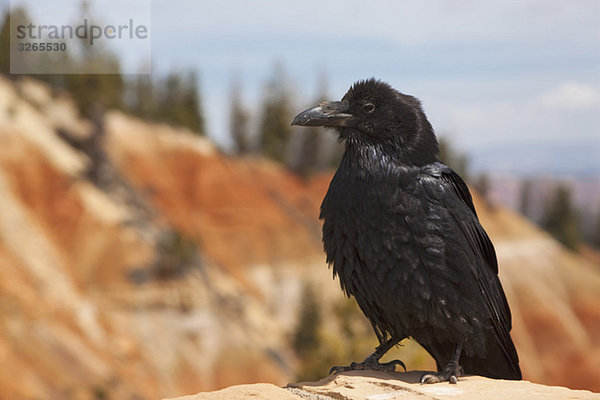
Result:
{"points": [[159, 233]]}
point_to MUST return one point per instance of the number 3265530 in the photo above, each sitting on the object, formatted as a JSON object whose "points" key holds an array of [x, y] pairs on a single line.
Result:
{"points": [[42, 47]]}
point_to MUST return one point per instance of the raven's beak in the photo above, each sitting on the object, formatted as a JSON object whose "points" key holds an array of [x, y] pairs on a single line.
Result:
{"points": [[332, 113]]}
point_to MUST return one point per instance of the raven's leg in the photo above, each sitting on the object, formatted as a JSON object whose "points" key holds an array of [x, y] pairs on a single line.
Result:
{"points": [[450, 372], [372, 362]]}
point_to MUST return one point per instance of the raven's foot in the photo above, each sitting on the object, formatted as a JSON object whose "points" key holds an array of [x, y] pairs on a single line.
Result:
{"points": [[370, 363], [449, 374]]}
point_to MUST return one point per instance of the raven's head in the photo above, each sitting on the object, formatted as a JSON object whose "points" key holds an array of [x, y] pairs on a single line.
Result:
{"points": [[373, 113]]}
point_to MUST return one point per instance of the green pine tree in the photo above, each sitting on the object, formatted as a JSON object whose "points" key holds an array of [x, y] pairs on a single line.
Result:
{"points": [[180, 103], [90, 86], [560, 218], [144, 102], [309, 341], [5, 44], [454, 159], [239, 117], [525, 198], [596, 235], [311, 149], [275, 129], [306, 335], [482, 185], [13, 17]]}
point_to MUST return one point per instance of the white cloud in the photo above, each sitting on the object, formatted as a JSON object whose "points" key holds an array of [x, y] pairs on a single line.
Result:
{"points": [[477, 116], [571, 95]]}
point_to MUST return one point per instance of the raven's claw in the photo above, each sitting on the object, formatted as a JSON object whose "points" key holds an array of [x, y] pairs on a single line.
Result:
{"points": [[370, 363], [449, 374]]}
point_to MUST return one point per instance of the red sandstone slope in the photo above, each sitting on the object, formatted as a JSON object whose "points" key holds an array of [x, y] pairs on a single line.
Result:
{"points": [[237, 209], [73, 324]]}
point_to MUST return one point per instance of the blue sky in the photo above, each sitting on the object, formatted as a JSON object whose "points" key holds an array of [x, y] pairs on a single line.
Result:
{"points": [[491, 74]]}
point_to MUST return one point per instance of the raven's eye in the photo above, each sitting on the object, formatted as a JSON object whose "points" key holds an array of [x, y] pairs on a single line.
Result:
{"points": [[369, 107]]}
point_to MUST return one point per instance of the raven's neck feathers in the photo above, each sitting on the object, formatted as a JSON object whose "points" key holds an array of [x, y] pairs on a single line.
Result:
{"points": [[372, 154], [423, 148]]}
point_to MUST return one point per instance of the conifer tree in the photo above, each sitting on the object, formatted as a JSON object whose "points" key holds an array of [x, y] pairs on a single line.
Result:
{"points": [[311, 147], [5, 44], [454, 159], [275, 129], [525, 198], [560, 218], [239, 118]]}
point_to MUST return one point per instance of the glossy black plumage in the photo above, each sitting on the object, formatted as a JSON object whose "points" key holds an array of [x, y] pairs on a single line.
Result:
{"points": [[401, 233]]}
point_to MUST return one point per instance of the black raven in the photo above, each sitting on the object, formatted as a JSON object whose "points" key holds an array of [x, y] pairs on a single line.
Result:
{"points": [[402, 234]]}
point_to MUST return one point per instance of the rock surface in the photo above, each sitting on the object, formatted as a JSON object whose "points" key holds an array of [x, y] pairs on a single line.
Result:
{"points": [[373, 385]]}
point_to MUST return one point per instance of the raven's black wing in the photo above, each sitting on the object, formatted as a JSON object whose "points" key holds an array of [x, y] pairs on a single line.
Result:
{"points": [[448, 188]]}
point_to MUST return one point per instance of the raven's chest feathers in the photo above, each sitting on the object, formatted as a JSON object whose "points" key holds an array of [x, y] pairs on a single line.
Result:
{"points": [[373, 225], [385, 237]]}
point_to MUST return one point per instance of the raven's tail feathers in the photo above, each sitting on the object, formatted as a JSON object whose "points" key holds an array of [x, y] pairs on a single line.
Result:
{"points": [[500, 362]]}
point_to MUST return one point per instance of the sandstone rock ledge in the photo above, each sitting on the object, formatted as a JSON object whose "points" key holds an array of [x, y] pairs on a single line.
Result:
{"points": [[370, 385]]}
